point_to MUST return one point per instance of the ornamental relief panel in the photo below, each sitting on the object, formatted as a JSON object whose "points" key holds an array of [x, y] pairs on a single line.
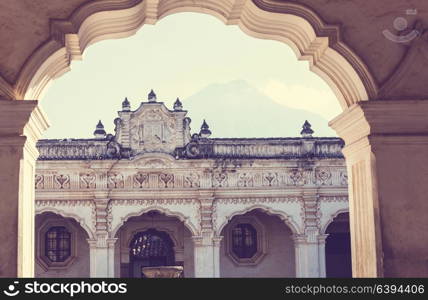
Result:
{"points": [[153, 130], [87, 180], [126, 179], [39, 182], [141, 180], [219, 179], [115, 181], [192, 180], [270, 179], [62, 181], [323, 176]]}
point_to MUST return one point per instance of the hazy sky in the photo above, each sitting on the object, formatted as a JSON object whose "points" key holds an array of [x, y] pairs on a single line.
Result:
{"points": [[178, 57]]}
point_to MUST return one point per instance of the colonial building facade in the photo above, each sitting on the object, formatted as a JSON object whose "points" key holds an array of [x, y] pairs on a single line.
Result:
{"points": [[153, 194]]}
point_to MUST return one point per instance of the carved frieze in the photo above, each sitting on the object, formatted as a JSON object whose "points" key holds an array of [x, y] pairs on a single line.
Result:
{"points": [[296, 176], [270, 179], [245, 180], [161, 179], [192, 180], [166, 180], [219, 179], [115, 181], [39, 182], [323, 176], [141, 180], [62, 181]]}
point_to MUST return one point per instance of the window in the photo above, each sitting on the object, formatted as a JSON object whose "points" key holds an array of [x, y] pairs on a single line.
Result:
{"points": [[58, 244], [244, 241]]}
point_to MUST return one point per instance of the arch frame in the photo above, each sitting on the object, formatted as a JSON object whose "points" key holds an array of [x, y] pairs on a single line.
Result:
{"points": [[170, 213], [292, 23], [65, 214], [285, 218], [331, 219]]}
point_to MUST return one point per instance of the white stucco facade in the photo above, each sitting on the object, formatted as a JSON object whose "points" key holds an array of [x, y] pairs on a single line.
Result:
{"points": [[107, 188]]}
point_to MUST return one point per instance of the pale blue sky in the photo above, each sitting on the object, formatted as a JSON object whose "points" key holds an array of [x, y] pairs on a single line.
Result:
{"points": [[183, 55]]}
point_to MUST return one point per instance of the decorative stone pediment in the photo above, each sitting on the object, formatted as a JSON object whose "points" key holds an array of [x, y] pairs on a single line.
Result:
{"points": [[152, 128], [153, 161]]}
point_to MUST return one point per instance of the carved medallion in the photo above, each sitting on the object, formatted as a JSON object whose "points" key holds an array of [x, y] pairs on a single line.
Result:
{"points": [[115, 181], [191, 180], [39, 181], [166, 180], [62, 181], [141, 180], [245, 180], [87, 181], [296, 176], [153, 130], [219, 180]]}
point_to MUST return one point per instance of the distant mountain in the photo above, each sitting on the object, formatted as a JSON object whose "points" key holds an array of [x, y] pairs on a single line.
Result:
{"points": [[237, 109]]}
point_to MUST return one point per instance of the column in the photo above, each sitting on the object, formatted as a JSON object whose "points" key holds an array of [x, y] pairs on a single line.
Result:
{"points": [[102, 247], [101, 256], [309, 255], [386, 150], [207, 245], [21, 125], [321, 255], [310, 246], [216, 255], [207, 255]]}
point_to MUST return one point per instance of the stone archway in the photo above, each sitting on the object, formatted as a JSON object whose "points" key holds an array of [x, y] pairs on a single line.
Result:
{"points": [[297, 26], [169, 229], [338, 247]]}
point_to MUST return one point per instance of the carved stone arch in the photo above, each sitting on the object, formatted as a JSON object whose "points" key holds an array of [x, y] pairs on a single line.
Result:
{"points": [[287, 219], [187, 223], [331, 219], [291, 23], [65, 214]]}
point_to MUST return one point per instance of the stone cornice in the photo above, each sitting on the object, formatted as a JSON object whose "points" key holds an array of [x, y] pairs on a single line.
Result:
{"points": [[383, 118], [224, 151], [22, 118]]}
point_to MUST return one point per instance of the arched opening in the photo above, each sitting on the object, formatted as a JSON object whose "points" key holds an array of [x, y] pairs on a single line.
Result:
{"points": [[338, 247], [256, 244], [61, 247], [347, 94], [150, 248], [329, 57], [152, 240]]}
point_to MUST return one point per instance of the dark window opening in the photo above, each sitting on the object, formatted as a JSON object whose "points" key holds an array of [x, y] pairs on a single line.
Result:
{"points": [[244, 241], [58, 244]]}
